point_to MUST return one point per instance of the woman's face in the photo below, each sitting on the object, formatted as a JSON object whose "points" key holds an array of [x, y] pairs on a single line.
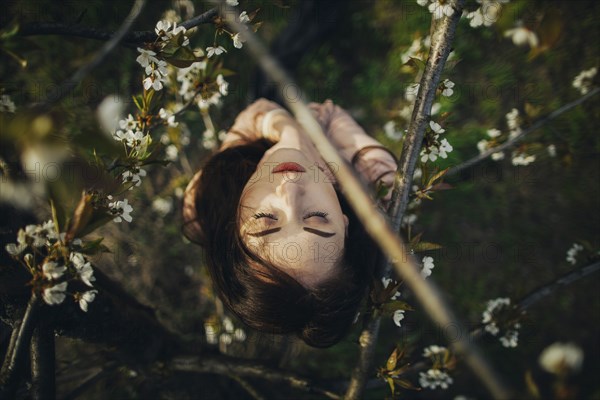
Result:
{"points": [[290, 215]]}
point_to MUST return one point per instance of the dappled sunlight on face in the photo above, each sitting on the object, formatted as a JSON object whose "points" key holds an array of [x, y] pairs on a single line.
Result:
{"points": [[293, 218]]}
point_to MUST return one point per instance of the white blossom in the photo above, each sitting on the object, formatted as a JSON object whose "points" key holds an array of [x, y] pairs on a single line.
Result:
{"points": [[572, 252], [238, 40], [225, 339], [583, 80], [55, 294], [239, 335], [521, 36], [397, 317], [437, 128], [86, 298], [15, 249], [445, 148], [498, 156], [146, 57], [172, 152], [122, 209], [551, 150], [232, 3], [210, 51], [162, 206], [435, 378], [559, 358], [427, 266], [168, 116], [244, 18], [510, 337], [422, 3], [493, 133], [439, 8], [223, 85], [211, 334], [6, 104], [83, 267], [391, 132], [133, 176], [52, 270], [434, 350], [411, 92], [522, 159], [447, 85]]}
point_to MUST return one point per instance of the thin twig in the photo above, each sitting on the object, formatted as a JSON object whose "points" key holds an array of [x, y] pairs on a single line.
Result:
{"points": [[535, 126], [43, 374], [248, 387], [69, 84], [374, 222], [225, 365], [131, 39], [19, 343]]}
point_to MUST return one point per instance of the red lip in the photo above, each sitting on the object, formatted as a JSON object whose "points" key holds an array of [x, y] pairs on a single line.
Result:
{"points": [[289, 166]]}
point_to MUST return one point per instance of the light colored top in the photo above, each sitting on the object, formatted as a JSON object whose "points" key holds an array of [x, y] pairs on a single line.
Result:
{"points": [[373, 163]]}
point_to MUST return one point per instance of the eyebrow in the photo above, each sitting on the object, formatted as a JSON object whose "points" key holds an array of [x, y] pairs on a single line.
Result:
{"points": [[310, 230]]}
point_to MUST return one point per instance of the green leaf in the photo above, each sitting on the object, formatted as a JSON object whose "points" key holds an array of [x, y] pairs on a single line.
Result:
{"points": [[390, 382], [11, 30], [394, 305], [390, 365], [182, 57], [425, 246]]}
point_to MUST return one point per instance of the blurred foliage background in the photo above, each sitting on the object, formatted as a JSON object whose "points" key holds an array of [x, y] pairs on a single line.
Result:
{"points": [[505, 230]]}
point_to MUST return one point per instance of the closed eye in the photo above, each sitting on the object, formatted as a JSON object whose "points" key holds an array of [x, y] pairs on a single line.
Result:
{"points": [[265, 215], [320, 214]]}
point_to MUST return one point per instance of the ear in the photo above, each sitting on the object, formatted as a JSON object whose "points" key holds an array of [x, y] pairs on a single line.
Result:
{"points": [[346, 223]]}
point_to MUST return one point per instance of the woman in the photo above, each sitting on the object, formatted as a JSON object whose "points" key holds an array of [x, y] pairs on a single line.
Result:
{"points": [[285, 252]]}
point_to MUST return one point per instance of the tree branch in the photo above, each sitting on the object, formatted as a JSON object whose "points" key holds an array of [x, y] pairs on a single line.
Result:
{"points": [[535, 126], [436, 60], [373, 221], [19, 343], [64, 88], [229, 366], [43, 374], [131, 39]]}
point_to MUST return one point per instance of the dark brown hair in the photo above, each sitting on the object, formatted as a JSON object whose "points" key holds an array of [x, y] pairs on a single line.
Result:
{"points": [[256, 291]]}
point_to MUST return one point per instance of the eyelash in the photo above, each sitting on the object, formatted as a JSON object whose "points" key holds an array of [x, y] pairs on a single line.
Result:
{"points": [[316, 214], [264, 215], [309, 215]]}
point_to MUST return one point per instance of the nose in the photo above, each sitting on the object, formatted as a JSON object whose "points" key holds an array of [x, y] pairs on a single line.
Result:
{"points": [[290, 191]]}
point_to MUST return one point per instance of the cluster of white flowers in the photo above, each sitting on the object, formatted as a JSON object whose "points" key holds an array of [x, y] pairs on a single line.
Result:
{"points": [[522, 159], [190, 77], [446, 87], [572, 252], [522, 36], [168, 117], [130, 134], [133, 176], [511, 334], [513, 121], [483, 145], [583, 81], [561, 358], [54, 292], [438, 147], [34, 236], [434, 351], [435, 378], [224, 336], [6, 104], [487, 14], [210, 140], [438, 8], [155, 69], [121, 209], [427, 266]]}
